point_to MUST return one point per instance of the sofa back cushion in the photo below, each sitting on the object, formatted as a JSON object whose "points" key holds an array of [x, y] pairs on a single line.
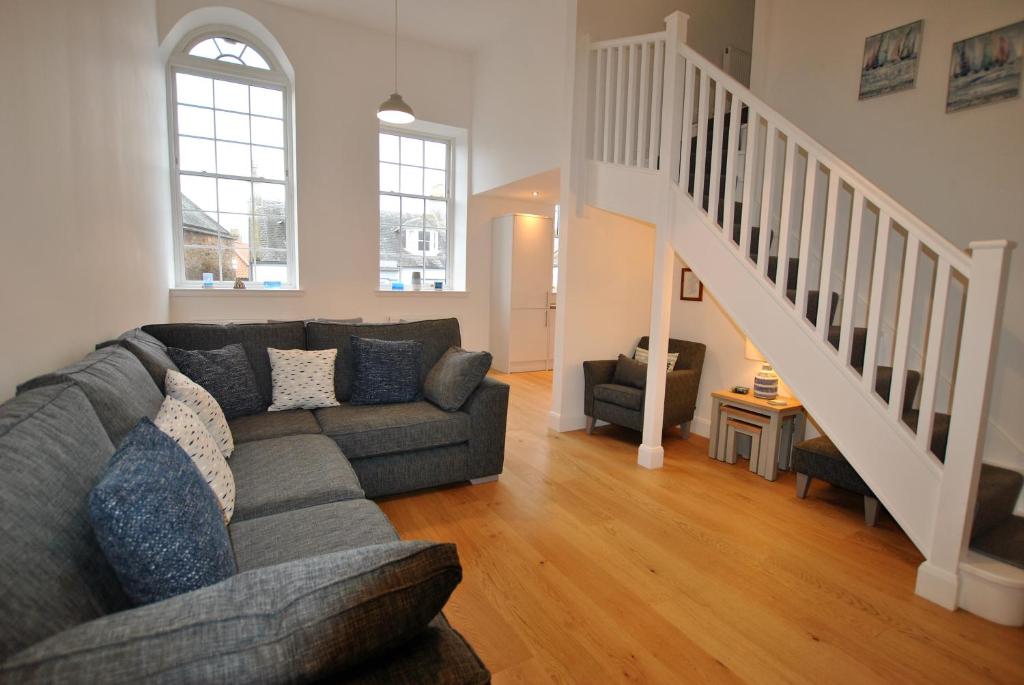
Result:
{"points": [[118, 386], [254, 337], [436, 335], [150, 351], [53, 574]]}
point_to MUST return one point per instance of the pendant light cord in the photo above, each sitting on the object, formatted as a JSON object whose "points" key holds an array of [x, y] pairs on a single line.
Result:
{"points": [[396, 46]]}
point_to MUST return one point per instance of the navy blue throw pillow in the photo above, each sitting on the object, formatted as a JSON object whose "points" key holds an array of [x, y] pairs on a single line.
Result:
{"points": [[226, 374], [385, 371], [157, 521]]}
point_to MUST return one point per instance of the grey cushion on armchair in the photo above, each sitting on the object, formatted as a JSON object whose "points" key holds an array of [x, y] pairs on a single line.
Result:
{"points": [[286, 623]]}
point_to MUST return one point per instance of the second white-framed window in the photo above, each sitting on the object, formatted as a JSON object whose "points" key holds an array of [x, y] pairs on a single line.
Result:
{"points": [[417, 206]]}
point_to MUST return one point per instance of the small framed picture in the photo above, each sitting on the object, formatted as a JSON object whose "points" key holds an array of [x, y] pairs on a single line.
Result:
{"points": [[692, 289], [890, 61], [986, 68]]}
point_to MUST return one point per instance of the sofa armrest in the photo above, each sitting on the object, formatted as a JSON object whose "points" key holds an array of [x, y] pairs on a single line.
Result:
{"points": [[595, 373], [287, 623], [488, 414], [680, 395]]}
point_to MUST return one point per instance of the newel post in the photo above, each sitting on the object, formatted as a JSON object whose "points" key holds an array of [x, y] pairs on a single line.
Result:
{"points": [[651, 453], [938, 577]]}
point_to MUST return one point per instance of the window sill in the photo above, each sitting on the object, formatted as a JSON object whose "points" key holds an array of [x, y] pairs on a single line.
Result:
{"points": [[231, 292], [430, 292]]}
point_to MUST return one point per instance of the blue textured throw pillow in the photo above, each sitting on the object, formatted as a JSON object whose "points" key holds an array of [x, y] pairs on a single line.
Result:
{"points": [[226, 374], [157, 521], [385, 371]]}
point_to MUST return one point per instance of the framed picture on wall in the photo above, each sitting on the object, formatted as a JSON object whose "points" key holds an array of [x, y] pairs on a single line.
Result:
{"points": [[986, 68], [692, 289], [890, 60]]}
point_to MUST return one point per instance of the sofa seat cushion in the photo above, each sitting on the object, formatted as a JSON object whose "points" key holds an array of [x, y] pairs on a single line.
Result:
{"points": [[288, 473], [273, 424], [620, 395], [118, 386], [309, 532], [367, 431]]}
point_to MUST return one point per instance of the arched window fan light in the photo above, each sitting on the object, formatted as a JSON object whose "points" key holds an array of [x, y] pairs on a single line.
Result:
{"points": [[394, 110]]}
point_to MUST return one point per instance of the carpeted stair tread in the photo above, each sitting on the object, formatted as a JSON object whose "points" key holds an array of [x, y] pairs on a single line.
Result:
{"points": [[998, 490], [940, 430], [1005, 542]]}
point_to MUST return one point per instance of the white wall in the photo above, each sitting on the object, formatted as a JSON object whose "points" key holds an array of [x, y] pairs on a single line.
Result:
{"points": [[519, 99], [342, 73], [961, 173], [83, 183]]}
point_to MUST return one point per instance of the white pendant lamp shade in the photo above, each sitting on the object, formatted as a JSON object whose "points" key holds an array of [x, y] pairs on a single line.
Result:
{"points": [[394, 110]]}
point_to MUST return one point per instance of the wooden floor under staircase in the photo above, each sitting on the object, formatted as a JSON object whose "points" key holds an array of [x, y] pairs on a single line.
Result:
{"points": [[580, 567]]}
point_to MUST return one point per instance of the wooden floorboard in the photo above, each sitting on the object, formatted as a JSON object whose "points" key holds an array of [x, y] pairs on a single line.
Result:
{"points": [[581, 567]]}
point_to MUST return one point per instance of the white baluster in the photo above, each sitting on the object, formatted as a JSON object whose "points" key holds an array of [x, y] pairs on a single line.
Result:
{"points": [[824, 318], [810, 183], [728, 215], [643, 129], [768, 179], [782, 270], [908, 283], [631, 106], [620, 108], [658, 80], [687, 126], [716, 152], [933, 355], [598, 142], [850, 281], [609, 106], [875, 305], [702, 140], [748, 185]]}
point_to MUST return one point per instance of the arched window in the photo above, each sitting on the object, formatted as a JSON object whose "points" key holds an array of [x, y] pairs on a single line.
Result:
{"points": [[231, 138]]}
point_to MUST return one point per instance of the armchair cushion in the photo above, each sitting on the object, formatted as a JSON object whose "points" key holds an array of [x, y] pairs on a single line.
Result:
{"points": [[293, 622], [630, 372], [620, 395]]}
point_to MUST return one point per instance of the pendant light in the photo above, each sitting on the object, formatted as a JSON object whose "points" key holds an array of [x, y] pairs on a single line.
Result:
{"points": [[394, 110]]}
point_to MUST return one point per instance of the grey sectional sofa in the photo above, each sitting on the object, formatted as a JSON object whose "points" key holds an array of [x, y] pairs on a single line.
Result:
{"points": [[302, 482]]}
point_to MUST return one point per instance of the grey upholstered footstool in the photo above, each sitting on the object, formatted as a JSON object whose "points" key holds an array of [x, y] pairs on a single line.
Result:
{"points": [[819, 458]]}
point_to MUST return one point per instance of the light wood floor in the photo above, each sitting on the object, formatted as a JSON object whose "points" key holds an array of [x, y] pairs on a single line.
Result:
{"points": [[581, 567]]}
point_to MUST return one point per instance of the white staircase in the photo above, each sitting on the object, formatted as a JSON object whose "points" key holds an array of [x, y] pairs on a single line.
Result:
{"points": [[739, 192]]}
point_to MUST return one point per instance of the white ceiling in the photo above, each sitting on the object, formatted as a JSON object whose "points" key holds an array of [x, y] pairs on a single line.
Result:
{"points": [[465, 25]]}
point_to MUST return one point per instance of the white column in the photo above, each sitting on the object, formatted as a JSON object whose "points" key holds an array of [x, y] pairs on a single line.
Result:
{"points": [[938, 578], [651, 454]]}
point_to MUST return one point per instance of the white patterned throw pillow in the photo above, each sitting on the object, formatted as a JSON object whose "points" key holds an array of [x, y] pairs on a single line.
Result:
{"points": [[302, 379], [185, 427], [641, 356], [184, 389]]}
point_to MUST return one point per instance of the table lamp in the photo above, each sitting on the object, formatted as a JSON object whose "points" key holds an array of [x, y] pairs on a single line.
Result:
{"points": [[766, 381]]}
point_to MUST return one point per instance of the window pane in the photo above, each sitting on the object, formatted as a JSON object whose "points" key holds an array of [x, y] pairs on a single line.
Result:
{"points": [[237, 225], [195, 121], [194, 90], [267, 131], [412, 151], [390, 210], [268, 162], [437, 214], [196, 154], [233, 159], [412, 211], [388, 148], [233, 96], [205, 48], [232, 126], [435, 155], [234, 196], [252, 58], [389, 178], [412, 179], [202, 260], [434, 183], [201, 192], [270, 238], [229, 46], [199, 228], [268, 198], [267, 102]]}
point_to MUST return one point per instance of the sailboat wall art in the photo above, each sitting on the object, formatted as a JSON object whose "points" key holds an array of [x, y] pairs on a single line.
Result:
{"points": [[890, 60], [986, 68]]}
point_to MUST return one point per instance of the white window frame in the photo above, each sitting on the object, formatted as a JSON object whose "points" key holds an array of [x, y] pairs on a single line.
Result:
{"points": [[182, 62], [450, 192]]}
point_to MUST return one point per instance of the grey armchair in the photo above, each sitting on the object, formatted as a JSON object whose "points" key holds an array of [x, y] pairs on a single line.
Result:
{"points": [[624, 405]]}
